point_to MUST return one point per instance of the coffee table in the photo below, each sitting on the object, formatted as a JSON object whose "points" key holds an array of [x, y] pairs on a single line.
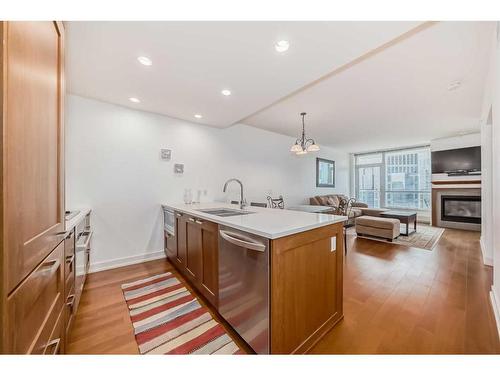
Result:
{"points": [[404, 217]]}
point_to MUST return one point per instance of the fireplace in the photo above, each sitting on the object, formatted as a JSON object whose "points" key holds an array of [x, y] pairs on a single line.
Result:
{"points": [[461, 208]]}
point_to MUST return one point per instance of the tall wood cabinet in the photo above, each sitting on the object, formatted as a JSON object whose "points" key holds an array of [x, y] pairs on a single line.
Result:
{"points": [[32, 225]]}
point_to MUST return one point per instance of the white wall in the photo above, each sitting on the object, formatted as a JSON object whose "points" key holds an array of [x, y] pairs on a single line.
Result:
{"points": [[486, 240], [495, 101], [460, 141], [113, 166], [490, 126]]}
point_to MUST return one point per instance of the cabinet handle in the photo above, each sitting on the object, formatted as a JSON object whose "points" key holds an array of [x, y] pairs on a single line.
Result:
{"points": [[69, 259], [178, 215], [191, 220], [51, 265], [70, 302], [55, 343], [198, 222]]}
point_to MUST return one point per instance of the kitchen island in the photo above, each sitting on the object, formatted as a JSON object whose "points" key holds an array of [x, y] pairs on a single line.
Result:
{"points": [[274, 275]]}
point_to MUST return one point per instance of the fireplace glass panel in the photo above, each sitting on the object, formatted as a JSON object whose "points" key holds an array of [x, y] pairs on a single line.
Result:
{"points": [[461, 208]]}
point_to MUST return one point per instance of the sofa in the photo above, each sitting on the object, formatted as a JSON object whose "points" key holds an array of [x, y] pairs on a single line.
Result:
{"points": [[355, 209]]}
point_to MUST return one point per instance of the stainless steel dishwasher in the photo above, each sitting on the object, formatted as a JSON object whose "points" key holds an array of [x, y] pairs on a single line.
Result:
{"points": [[244, 285]]}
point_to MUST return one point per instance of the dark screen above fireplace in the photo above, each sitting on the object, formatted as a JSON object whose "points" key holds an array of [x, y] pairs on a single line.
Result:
{"points": [[461, 159]]}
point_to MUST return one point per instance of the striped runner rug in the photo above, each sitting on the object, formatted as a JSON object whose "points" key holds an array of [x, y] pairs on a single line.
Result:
{"points": [[168, 319]]}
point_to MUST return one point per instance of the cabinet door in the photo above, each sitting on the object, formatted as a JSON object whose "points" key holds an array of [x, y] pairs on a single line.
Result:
{"points": [[34, 307], [210, 274], [306, 287], [57, 342], [194, 256], [33, 95], [180, 234]]}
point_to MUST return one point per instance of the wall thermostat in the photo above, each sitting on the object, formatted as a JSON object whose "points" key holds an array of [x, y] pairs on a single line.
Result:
{"points": [[165, 154], [179, 168]]}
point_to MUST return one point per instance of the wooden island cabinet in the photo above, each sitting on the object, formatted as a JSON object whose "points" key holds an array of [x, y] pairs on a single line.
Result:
{"points": [[305, 277], [306, 287], [194, 253]]}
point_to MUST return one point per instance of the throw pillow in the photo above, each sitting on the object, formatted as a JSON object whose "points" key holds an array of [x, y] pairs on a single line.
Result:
{"points": [[330, 201]]}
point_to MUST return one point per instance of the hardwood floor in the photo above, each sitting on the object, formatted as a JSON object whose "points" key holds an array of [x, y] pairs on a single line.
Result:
{"points": [[102, 324], [405, 300], [396, 300]]}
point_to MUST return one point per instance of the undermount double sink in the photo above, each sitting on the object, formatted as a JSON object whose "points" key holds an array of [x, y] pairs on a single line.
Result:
{"points": [[225, 212]]}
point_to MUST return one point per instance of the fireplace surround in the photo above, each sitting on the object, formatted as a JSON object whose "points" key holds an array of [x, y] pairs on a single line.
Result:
{"points": [[457, 207]]}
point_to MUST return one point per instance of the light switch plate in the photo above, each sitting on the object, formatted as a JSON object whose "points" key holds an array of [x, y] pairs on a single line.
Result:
{"points": [[165, 154], [333, 243]]}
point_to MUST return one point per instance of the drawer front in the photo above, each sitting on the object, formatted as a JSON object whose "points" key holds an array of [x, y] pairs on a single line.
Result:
{"points": [[34, 307], [69, 274], [69, 265], [69, 244], [56, 343], [69, 311]]}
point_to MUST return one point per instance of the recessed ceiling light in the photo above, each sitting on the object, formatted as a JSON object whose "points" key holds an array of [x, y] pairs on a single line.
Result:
{"points": [[145, 60], [134, 100], [198, 116], [282, 45], [226, 92]]}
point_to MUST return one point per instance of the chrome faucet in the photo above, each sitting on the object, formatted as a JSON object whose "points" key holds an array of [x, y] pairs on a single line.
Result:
{"points": [[243, 202]]}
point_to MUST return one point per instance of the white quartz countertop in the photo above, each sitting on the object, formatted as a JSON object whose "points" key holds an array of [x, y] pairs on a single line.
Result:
{"points": [[73, 222], [265, 222]]}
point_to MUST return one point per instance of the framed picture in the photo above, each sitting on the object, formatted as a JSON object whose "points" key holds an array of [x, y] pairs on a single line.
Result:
{"points": [[325, 173]]}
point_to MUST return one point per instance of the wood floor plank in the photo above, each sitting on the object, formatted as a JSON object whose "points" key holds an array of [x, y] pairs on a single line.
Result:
{"points": [[396, 300]]}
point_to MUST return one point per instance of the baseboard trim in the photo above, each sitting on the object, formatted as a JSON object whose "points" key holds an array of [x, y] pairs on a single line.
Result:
{"points": [[486, 260], [127, 261], [496, 308]]}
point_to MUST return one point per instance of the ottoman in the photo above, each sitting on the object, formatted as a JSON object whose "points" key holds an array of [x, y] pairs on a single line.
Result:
{"points": [[378, 227]]}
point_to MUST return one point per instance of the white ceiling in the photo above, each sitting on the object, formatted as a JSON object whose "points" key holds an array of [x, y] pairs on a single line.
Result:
{"points": [[391, 98], [396, 98], [194, 61]]}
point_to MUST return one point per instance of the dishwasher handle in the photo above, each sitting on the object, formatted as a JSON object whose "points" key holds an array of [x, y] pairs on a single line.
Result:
{"points": [[249, 244]]}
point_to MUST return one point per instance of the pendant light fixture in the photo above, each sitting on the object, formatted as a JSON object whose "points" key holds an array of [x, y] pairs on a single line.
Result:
{"points": [[304, 145]]}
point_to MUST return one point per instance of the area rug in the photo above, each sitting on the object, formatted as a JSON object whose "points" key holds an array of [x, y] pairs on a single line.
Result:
{"points": [[168, 319], [425, 238]]}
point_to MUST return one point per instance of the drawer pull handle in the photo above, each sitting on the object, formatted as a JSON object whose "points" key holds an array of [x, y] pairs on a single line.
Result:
{"points": [[70, 302], [198, 222], [51, 265], [178, 215], [55, 343], [84, 240], [191, 219], [69, 259]]}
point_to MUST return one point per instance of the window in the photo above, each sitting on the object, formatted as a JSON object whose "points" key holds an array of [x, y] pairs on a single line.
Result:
{"points": [[394, 179], [325, 173]]}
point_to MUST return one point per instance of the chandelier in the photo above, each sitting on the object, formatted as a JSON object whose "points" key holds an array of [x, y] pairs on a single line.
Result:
{"points": [[304, 145]]}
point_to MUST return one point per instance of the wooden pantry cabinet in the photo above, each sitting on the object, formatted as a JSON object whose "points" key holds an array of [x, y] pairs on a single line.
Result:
{"points": [[32, 233]]}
